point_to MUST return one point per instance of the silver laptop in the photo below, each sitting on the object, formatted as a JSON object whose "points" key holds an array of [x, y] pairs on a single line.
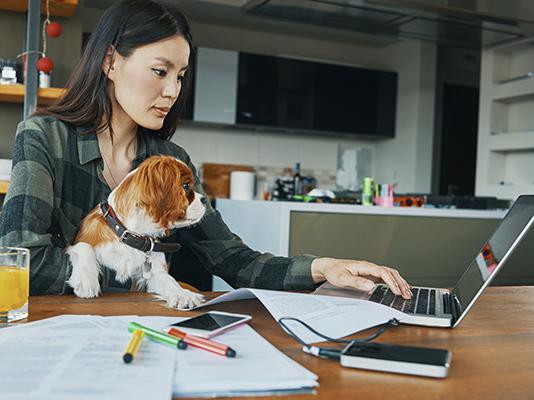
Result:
{"points": [[447, 308]]}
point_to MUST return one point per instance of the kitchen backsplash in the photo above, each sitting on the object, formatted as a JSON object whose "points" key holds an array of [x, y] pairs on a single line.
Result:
{"points": [[266, 176]]}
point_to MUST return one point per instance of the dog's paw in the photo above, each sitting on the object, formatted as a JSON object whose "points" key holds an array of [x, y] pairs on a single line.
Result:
{"points": [[184, 299], [85, 271], [85, 288]]}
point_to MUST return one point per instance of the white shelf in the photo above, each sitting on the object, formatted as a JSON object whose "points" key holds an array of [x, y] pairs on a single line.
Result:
{"points": [[507, 191], [520, 44], [512, 141], [513, 91], [506, 157]]}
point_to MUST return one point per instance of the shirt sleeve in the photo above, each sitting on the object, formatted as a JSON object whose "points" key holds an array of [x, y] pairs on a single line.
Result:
{"points": [[224, 254], [26, 215]]}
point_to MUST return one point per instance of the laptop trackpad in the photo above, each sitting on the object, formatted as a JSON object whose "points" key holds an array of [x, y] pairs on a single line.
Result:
{"points": [[327, 289]]}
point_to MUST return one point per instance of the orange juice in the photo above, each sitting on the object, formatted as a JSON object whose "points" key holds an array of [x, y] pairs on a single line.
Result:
{"points": [[14, 287]]}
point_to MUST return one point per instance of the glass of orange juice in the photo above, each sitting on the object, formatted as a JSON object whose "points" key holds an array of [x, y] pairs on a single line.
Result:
{"points": [[14, 283]]}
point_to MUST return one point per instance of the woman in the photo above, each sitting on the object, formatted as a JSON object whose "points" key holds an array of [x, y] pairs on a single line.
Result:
{"points": [[121, 105]]}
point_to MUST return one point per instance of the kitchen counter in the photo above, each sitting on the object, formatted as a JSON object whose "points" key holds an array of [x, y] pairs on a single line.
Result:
{"points": [[429, 246], [239, 214]]}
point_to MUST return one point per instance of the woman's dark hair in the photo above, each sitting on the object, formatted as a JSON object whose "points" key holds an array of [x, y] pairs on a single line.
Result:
{"points": [[125, 26]]}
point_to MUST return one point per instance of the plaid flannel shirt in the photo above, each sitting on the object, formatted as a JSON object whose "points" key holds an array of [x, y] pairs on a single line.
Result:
{"points": [[57, 179]]}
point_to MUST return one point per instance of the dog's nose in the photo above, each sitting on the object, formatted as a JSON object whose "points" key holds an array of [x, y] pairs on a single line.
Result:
{"points": [[204, 200]]}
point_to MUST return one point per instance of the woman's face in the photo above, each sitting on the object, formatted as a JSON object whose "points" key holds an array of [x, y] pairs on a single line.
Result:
{"points": [[145, 85]]}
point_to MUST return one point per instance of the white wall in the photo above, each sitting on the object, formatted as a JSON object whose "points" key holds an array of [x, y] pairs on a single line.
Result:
{"points": [[407, 159]]}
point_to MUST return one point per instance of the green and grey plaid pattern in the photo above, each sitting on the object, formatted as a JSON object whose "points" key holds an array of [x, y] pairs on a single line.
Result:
{"points": [[57, 179]]}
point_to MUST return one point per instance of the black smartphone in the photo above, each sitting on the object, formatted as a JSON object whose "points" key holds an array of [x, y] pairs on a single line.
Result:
{"points": [[398, 359], [211, 323]]}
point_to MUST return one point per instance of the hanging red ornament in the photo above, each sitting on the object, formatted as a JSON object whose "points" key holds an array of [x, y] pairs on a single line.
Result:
{"points": [[45, 64], [54, 29]]}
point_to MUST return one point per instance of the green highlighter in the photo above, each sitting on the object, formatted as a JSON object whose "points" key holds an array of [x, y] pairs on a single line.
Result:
{"points": [[159, 337]]}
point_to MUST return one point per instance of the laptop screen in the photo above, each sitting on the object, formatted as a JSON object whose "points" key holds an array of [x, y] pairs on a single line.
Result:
{"points": [[501, 242]]}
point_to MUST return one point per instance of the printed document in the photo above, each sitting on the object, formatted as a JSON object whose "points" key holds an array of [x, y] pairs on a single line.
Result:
{"points": [[332, 316], [80, 357]]}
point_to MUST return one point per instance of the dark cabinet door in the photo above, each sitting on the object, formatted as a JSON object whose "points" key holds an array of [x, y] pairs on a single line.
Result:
{"points": [[256, 90], [297, 94], [359, 101], [276, 92]]}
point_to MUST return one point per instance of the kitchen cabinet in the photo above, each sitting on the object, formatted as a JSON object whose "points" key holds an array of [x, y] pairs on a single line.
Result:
{"points": [[290, 94], [215, 86]]}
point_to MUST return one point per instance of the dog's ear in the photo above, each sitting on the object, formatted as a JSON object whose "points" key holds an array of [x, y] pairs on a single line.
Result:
{"points": [[126, 196], [162, 194]]}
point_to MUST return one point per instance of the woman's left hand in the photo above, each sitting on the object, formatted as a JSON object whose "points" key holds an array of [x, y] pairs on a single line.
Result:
{"points": [[360, 275]]}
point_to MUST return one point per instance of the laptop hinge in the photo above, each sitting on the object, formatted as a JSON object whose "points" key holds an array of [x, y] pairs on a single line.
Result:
{"points": [[455, 307]]}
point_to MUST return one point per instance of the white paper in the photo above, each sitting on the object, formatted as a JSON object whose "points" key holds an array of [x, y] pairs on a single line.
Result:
{"points": [[258, 366], [81, 357], [332, 316]]}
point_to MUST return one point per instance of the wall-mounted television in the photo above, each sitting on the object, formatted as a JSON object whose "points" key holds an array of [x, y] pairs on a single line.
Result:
{"points": [[296, 94]]}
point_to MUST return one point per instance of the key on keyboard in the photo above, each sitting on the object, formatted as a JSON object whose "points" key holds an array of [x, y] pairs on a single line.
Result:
{"points": [[432, 303], [446, 303], [378, 294], [422, 302], [388, 298]]}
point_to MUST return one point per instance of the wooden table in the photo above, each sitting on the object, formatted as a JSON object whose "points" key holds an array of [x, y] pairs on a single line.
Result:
{"points": [[493, 348]]}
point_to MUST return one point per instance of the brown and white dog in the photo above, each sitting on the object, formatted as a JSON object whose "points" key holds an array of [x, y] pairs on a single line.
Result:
{"points": [[151, 200]]}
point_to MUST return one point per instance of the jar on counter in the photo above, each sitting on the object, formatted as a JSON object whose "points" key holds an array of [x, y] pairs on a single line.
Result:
{"points": [[44, 80], [8, 74]]}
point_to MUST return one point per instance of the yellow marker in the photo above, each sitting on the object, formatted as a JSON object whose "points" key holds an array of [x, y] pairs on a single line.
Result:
{"points": [[130, 351]]}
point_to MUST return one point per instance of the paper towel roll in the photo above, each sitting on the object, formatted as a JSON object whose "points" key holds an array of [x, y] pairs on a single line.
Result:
{"points": [[242, 185]]}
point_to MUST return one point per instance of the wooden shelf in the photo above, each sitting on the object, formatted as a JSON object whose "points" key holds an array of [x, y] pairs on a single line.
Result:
{"points": [[3, 187], [15, 94], [58, 8]]}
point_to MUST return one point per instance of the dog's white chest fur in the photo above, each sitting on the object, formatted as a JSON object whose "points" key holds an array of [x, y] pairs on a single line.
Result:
{"points": [[126, 261]]}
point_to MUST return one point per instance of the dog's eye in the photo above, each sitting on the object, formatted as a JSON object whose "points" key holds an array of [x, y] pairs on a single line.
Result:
{"points": [[186, 187]]}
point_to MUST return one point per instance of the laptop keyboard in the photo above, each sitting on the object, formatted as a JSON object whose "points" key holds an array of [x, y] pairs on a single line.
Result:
{"points": [[423, 300]]}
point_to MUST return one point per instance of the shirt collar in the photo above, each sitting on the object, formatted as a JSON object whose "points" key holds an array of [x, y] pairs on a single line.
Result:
{"points": [[142, 151], [88, 149]]}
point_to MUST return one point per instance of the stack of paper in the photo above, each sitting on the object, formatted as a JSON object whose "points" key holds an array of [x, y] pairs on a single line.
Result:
{"points": [[259, 368], [80, 357]]}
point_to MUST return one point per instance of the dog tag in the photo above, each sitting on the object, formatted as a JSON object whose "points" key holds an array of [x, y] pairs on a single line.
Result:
{"points": [[147, 267]]}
